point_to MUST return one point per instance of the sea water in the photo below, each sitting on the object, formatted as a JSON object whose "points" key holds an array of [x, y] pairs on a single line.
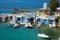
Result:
{"points": [[6, 6], [20, 33]]}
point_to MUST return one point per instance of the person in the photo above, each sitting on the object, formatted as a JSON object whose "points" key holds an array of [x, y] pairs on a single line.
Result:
{"points": [[56, 21]]}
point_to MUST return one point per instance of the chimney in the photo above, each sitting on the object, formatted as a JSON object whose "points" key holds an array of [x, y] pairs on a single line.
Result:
{"points": [[45, 6]]}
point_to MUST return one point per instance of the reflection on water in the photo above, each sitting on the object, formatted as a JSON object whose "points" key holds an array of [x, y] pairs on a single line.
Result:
{"points": [[21, 33]]}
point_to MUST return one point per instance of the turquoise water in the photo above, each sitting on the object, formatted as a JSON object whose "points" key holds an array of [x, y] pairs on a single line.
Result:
{"points": [[21, 33]]}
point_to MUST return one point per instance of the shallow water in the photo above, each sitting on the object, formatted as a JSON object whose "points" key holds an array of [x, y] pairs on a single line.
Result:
{"points": [[21, 33]]}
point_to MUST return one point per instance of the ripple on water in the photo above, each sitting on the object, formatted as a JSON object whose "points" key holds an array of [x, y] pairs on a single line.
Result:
{"points": [[21, 33]]}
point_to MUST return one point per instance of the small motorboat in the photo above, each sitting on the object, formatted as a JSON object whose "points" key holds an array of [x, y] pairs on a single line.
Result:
{"points": [[28, 25], [43, 36], [39, 24], [11, 23], [15, 25]]}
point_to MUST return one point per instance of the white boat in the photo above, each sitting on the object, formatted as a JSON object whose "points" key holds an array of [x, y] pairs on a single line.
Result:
{"points": [[28, 25], [11, 23], [15, 25], [52, 25], [43, 36], [39, 24], [23, 23]]}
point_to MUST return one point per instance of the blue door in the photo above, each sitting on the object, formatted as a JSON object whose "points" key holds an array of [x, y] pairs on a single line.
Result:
{"points": [[45, 20], [39, 20], [51, 21], [19, 19]]}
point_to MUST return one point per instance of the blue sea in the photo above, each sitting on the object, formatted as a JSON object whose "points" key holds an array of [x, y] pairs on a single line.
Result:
{"points": [[21, 33], [7, 6]]}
